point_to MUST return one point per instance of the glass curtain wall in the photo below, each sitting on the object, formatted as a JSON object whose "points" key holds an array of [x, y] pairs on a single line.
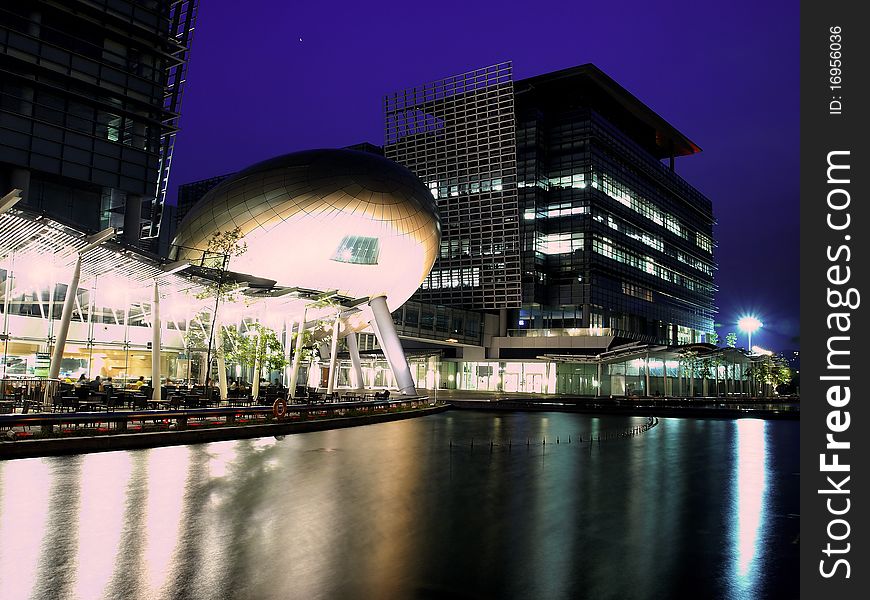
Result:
{"points": [[109, 334]]}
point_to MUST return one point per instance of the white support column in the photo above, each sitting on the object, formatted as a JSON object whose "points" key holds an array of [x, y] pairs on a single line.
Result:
{"points": [[389, 340], [646, 383], [288, 351], [258, 366], [353, 350], [598, 387], [294, 371], [680, 377], [333, 354], [155, 343], [221, 361], [62, 331]]}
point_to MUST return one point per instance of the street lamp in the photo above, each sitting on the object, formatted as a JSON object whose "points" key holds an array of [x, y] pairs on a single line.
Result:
{"points": [[749, 325]]}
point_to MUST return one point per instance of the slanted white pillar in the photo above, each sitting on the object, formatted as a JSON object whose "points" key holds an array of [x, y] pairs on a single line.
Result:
{"points": [[288, 351], [221, 361], [389, 341], [356, 371], [333, 354], [377, 332], [294, 372], [155, 343], [62, 331]]}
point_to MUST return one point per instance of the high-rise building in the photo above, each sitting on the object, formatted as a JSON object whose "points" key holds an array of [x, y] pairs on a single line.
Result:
{"points": [[90, 94], [557, 207], [458, 135]]}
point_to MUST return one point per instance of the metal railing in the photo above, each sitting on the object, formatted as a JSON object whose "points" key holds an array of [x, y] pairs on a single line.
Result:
{"points": [[23, 426], [25, 393]]}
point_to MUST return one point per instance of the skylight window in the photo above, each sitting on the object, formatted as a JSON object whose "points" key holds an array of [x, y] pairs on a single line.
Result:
{"points": [[358, 250]]}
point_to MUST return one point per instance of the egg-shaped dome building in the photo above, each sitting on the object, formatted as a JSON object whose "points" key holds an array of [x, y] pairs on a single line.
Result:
{"points": [[337, 220], [324, 220]]}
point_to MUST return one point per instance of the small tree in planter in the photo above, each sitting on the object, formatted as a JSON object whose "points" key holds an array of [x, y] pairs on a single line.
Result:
{"points": [[222, 246], [258, 347]]}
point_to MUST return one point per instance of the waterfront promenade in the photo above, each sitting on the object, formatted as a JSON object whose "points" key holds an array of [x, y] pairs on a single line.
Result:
{"points": [[38, 434]]}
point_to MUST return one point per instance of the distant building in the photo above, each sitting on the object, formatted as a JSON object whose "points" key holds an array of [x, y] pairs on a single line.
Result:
{"points": [[190, 193], [89, 105]]}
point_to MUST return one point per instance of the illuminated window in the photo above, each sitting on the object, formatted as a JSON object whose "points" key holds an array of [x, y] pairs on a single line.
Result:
{"points": [[559, 243], [358, 250]]}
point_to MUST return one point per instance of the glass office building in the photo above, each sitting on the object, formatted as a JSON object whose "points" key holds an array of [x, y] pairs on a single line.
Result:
{"points": [[458, 135], [560, 206], [90, 95]]}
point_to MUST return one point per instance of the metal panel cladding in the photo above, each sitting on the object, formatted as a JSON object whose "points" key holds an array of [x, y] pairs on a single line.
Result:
{"points": [[458, 135]]}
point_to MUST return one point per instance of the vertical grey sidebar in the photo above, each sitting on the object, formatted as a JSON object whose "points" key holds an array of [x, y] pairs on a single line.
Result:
{"points": [[835, 300]]}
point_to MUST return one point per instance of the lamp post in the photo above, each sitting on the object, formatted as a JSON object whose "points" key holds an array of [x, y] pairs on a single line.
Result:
{"points": [[749, 325]]}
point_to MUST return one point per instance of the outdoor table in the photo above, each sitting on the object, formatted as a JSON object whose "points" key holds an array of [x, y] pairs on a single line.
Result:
{"points": [[67, 402], [88, 405], [191, 400]]}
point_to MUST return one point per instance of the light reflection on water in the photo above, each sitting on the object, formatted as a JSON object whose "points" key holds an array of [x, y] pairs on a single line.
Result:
{"points": [[693, 508], [750, 489]]}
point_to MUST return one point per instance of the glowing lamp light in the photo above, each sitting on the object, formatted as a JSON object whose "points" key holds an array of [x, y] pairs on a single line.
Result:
{"points": [[749, 325], [762, 351]]}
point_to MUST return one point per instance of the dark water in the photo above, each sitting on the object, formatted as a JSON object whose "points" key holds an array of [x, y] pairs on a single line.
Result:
{"points": [[691, 509]]}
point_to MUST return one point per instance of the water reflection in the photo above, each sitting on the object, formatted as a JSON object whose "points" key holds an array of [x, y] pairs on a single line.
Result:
{"points": [[749, 489], [167, 471], [23, 516], [101, 520], [410, 510]]}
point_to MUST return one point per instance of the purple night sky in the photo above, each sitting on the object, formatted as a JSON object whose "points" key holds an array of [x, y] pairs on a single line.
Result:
{"points": [[268, 77]]}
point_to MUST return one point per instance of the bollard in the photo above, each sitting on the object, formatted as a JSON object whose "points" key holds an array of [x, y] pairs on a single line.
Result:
{"points": [[569, 439], [557, 439]]}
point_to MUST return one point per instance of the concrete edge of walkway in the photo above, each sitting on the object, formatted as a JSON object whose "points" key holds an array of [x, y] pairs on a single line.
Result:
{"points": [[135, 441]]}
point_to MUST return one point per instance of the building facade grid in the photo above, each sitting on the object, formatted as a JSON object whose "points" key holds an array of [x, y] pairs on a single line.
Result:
{"points": [[459, 136]]}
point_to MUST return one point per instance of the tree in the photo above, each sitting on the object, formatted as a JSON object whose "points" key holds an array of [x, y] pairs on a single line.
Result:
{"points": [[258, 347], [731, 340], [713, 338], [769, 372], [221, 248]]}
